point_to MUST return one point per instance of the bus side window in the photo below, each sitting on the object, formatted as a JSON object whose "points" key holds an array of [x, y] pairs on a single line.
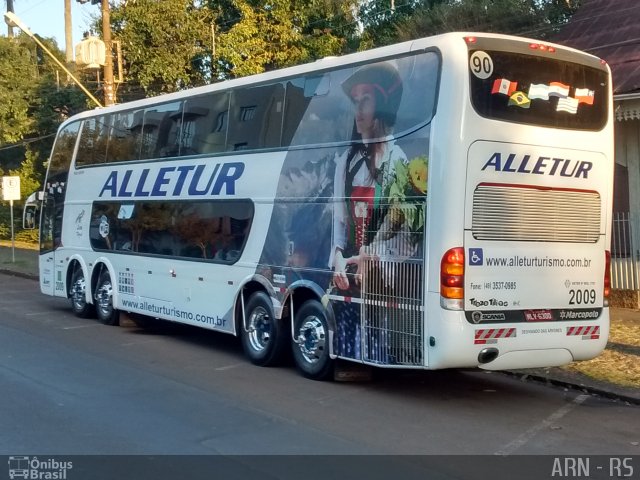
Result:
{"points": [[162, 130], [256, 117], [124, 144], [94, 138], [63, 149], [148, 129], [317, 111], [419, 75], [210, 128]]}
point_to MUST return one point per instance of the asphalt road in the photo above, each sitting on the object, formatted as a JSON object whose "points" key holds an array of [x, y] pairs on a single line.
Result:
{"points": [[73, 386]]}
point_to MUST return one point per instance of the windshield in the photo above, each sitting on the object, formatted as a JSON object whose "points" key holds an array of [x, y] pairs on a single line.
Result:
{"points": [[530, 89]]}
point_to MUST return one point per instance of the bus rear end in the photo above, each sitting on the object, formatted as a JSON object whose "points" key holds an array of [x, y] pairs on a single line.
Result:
{"points": [[532, 279]]}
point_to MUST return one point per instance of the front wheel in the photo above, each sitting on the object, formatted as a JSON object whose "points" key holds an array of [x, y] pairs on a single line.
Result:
{"points": [[263, 337], [105, 310], [78, 294], [311, 341]]}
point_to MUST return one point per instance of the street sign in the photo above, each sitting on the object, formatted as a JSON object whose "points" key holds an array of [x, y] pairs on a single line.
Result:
{"points": [[11, 188], [11, 192]]}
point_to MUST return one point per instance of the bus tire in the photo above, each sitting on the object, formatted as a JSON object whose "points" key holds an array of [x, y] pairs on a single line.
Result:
{"points": [[103, 296], [263, 337], [78, 294], [310, 342]]}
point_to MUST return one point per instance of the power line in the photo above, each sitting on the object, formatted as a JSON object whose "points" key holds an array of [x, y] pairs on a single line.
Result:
{"points": [[27, 142]]}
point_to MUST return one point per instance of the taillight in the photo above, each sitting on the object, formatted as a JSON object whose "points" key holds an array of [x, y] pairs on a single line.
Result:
{"points": [[607, 277], [542, 47], [452, 279]]}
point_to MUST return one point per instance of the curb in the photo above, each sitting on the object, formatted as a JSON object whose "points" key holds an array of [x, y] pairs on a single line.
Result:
{"points": [[13, 273], [591, 389]]}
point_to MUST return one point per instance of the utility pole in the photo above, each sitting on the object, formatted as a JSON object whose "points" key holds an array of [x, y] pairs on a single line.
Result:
{"points": [[10, 9], [109, 90], [68, 39], [14, 21]]}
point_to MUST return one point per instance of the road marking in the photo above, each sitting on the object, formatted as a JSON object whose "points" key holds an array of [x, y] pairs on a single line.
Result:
{"points": [[81, 326], [546, 423], [33, 314], [141, 342], [229, 367]]}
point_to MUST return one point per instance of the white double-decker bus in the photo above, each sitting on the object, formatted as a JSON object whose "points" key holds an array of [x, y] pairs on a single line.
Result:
{"points": [[438, 203]]}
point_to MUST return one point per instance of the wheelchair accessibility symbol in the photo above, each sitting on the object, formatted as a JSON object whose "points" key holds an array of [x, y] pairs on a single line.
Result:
{"points": [[475, 257]]}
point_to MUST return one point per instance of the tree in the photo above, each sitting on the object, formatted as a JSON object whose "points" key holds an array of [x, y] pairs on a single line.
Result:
{"points": [[17, 70], [262, 39], [534, 18], [331, 27], [281, 33], [32, 105], [381, 22], [166, 45]]}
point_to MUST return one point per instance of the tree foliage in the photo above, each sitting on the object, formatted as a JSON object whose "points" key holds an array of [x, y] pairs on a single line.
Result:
{"points": [[382, 22], [165, 44], [33, 103], [177, 44], [16, 72], [532, 18], [265, 36]]}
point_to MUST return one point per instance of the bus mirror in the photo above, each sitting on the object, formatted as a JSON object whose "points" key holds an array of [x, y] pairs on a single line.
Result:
{"points": [[29, 216], [31, 210], [35, 197]]}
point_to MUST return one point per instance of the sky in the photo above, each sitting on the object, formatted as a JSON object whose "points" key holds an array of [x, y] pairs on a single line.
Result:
{"points": [[46, 18]]}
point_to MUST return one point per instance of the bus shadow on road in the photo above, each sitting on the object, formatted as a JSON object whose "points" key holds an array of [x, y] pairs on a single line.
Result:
{"points": [[197, 336]]}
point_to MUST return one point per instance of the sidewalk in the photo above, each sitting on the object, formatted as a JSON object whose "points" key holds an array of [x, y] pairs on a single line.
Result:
{"points": [[620, 362]]}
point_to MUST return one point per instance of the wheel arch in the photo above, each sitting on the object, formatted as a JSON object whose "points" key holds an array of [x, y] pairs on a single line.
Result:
{"points": [[298, 292], [304, 290], [301, 291], [98, 267], [78, 260], [250, 285]]}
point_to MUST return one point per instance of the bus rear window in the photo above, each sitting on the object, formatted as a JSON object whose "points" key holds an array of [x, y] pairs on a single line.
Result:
{"points": [[528, 89]]}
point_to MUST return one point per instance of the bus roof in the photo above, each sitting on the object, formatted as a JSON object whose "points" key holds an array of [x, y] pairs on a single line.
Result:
{"points": [[437, 41]]}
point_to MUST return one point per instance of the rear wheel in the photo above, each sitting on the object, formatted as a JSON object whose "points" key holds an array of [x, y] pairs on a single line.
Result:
{"points": [[264, 338], [311, 341], [105, 310], [78, 294]]}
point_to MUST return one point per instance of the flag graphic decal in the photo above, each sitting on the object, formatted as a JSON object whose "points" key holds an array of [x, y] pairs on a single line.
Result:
{"points": [[567, 104], [504, 86], [539, 91], [557, 89], [584, 95], [519, 99]]}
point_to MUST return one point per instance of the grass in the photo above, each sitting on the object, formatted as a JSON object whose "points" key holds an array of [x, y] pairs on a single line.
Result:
{"points": [[618, 364], [26, 257]]}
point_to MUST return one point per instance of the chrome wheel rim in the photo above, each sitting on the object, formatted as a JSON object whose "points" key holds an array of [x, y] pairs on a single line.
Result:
{"points": [[260, 326], [78, 293], [312, 338], [104, 300]]}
